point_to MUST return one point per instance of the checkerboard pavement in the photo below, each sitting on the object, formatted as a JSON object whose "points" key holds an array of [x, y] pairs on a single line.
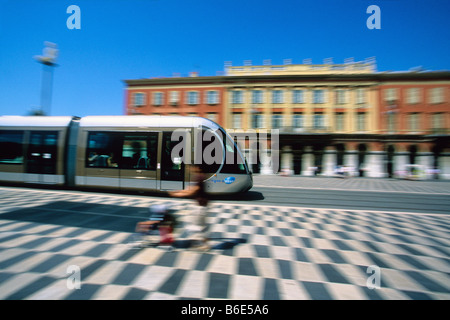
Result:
{"points": [[355, 183], [259, 252]]}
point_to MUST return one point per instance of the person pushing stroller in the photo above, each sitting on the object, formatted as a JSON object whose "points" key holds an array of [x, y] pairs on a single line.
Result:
{"points": [[198, 227], [161, 220]]}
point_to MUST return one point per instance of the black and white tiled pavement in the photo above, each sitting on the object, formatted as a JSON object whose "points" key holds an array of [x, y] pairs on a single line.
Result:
{"points": [[357, 184], [259, 252]]}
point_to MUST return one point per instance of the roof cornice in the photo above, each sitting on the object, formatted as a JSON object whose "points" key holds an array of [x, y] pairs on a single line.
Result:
{"points": [[221, 80]]}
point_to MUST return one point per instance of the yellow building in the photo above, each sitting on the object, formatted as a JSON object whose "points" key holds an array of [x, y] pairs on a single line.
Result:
{"points": [[303, 98]]}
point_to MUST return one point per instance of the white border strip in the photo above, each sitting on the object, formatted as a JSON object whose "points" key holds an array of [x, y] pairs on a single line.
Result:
{"points": [[173, 200]]}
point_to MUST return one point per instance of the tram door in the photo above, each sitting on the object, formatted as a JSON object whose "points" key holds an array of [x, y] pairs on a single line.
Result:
{"points": [[139, 158], [172, 167], [41, 157]]}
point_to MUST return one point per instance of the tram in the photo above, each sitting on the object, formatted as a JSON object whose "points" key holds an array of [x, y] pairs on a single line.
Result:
{"points": [[143, 153]]}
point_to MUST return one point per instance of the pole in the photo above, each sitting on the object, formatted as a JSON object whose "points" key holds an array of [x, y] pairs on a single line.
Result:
{"points": [[48, 62], [46, 88]]}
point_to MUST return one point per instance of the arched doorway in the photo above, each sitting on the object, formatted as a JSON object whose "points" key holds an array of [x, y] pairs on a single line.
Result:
{"points": [[437, 149], [318, 151], [390, 161], [297, 158], [412, 154], [340, 152], [362, 150]]}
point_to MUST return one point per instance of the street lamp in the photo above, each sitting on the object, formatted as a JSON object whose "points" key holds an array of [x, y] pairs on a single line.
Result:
{"points": [[48, 61]]}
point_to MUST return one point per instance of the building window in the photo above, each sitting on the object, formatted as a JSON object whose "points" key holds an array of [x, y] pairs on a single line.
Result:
{"points": [[236, 120], [174, 97], [277, 121], [437, 122], [413, 120], [360, 96], [212, 116], [319, 121], [297, 96], [413, 95], [138, 99], [390, 95], [277, 96], [298, 120], [341, 96], [436, 95], [212, 97], [318, 96], [391, 122], [237, 97], [257, 96], [192, 97], [257, 121], [361, 121], [339, 118], [158, 98]]}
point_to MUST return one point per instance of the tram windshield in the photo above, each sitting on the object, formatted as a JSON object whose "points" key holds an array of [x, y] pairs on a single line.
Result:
{"points": [[234, 161], [220, 152]]}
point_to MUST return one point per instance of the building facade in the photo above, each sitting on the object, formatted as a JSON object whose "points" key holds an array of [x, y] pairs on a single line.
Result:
{"points": [[326, 117], [191, 96], [415, 114]]}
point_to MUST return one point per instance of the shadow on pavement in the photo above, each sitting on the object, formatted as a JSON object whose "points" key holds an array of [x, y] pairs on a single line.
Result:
{"points": [[216, 243], [246, 196], [101, 216], [82, 215]]}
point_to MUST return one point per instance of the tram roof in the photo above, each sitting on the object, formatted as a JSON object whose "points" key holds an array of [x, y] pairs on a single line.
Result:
{"points": [[34, 121], [109, 121], [146, 121]]}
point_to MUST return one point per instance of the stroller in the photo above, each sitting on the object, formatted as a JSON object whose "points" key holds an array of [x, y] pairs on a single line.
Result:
{"points": [[158, 229]]}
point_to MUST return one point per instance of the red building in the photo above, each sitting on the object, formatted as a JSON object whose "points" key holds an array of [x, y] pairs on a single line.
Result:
{"points": [[414, 105], [189, 96], [415, 116]]}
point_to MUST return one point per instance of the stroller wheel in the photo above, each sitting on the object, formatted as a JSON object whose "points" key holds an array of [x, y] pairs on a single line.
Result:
{"points": [[135, 241]]}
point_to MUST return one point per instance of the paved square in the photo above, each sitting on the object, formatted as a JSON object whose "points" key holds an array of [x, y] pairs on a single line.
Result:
{"points": [[259, 252]]}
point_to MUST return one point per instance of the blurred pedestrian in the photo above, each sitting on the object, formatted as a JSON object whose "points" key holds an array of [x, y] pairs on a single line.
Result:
{"points": [[161, 219], [197, 191]]}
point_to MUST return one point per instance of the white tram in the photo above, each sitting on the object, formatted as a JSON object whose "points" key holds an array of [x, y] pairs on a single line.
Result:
{"points": [[145, 153]]}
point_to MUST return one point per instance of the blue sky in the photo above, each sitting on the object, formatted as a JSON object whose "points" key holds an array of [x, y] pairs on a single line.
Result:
{"points": [[131, 39]]}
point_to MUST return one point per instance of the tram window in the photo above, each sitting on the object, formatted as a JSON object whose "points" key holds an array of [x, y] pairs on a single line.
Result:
{"points": [[102, 150], [11, 147], [172, 167], [42, 152], [233, 163], [140, 152], [134, 153], [212, 155], [51, 139], [152, 150]]}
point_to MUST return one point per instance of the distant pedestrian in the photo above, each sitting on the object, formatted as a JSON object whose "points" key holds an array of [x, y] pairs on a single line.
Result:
{"points": [[340, 171], [197, 191]]}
